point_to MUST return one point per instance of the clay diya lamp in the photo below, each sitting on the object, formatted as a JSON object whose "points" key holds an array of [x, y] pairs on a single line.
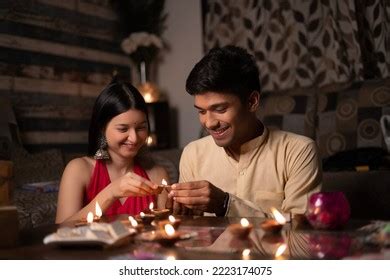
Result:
{"points": [[171, 220], [160, 214], [168, 237], [146, 218], [273, 226], [91, 218], [241, 230], [164, 185], [135, 224]]}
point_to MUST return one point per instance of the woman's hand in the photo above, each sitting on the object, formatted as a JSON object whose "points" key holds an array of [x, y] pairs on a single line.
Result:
{"points": [[132, 184]]}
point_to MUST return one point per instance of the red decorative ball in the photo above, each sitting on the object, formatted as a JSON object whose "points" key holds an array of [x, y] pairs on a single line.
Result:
{"points": [[328, 210]]}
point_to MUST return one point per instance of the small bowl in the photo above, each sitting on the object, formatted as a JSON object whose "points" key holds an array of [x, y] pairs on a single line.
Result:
{"points": [[147, 219], [167, 240], [239, 231], [161, 213], [271, 226]]}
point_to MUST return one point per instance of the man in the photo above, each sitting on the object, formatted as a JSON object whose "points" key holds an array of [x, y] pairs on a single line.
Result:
{"points": [[241, 168]]}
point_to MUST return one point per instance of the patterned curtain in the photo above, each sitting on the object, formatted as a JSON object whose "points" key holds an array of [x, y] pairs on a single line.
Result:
{"points": [[302, 43], [373, 18]]}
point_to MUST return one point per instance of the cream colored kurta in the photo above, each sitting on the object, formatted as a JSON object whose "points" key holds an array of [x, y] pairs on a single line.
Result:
{"points": [[278, 169]]}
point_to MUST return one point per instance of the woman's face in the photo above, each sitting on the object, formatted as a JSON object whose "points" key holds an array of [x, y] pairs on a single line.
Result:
{"points": [[126, 133]]}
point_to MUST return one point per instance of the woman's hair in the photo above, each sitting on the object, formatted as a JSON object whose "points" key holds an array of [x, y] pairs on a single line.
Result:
{"points": [[115, 99], [230, 70]]}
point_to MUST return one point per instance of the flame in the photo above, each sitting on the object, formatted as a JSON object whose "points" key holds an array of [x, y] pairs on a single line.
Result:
{"points": [[163, 182], [280, 250], [133, 222], [151, 206], [278, 216], [244, 222], [148, 97], [149, 140], [171, 219], [90, 218], [142, 214], [171, 258], [245, 254], [169, 230], [98, 210]]}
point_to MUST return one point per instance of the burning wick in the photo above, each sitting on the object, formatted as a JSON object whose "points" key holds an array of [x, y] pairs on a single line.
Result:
{"points": [[245, 254], [279, 252], [244, 222], [241, 230], [98, 211], [135, 225], [273, 225], [171, 219], [133, 221], [151, 206], [90, 218], [169, 230], [278, 216]]}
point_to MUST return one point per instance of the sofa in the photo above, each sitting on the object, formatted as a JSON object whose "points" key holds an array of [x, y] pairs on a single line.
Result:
{"points": [[344, 120]]}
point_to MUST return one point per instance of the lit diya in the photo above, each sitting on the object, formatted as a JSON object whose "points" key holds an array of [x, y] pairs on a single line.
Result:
{"points": [[279, 251], [273, 225], [159, 213], [245, 255], [91, 217], [164, 185], [171, 220], [135, 225], [168, 237], [242, 229], [146, 218]]}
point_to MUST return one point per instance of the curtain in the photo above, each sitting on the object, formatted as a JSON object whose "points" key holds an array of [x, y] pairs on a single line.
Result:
{"points": [[304, 43]]}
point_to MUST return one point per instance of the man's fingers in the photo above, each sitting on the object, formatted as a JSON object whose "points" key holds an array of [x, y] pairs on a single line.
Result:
{"points": [[186, 193], [192, 201], [188, 186]]}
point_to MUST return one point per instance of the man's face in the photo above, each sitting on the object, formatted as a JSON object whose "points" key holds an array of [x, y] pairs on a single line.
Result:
{"points": [[224, 117]]}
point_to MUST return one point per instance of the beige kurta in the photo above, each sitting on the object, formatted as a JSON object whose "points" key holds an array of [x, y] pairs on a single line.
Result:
{"points": [[278, 169]]}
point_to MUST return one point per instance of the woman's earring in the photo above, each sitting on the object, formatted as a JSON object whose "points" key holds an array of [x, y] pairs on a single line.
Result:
{"points": [[102, 152]]}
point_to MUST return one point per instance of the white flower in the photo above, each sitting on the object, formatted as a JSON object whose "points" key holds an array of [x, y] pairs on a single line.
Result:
{"points": [[140, 39]]}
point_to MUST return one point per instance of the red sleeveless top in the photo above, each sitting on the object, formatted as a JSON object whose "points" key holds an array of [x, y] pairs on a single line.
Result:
{"points": [[133, 204]]}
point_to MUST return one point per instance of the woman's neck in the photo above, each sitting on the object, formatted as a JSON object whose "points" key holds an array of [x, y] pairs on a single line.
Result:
{"points": [[120, 164]]}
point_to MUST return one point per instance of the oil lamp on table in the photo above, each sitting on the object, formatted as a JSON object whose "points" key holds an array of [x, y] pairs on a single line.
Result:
{"points": [[171, 220], [159, 213], [273, 226], [91, 218], [242, 229]]}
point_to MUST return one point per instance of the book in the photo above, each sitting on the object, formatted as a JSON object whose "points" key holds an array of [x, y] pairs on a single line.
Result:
{"points": [[95, 234]]}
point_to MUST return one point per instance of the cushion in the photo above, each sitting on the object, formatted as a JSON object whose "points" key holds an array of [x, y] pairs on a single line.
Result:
{"points": [[350, 118], [38, 167], [292, 111], [35, 208]]}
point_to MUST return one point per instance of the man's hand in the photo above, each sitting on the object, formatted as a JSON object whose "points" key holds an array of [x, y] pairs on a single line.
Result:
{"points": [[200, 196]]}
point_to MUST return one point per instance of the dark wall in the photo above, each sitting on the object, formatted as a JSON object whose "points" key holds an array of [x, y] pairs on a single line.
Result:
{"points": [[55, 57]]}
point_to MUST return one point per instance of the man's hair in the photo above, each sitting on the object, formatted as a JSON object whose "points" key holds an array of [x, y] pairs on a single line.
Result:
{"points": [[229, 70]]}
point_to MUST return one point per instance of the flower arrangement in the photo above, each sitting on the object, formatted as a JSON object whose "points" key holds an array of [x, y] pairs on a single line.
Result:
{"points": [[142, 46]]}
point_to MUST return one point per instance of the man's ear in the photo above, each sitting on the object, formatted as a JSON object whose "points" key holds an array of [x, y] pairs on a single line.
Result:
{"points": [[254, 101]]}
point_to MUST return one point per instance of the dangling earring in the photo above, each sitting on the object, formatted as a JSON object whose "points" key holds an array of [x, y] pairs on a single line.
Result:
{"points": [[102, 152]]}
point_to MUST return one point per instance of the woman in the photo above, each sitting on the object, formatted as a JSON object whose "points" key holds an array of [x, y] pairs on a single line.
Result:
{"points": [[112, 174]]}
